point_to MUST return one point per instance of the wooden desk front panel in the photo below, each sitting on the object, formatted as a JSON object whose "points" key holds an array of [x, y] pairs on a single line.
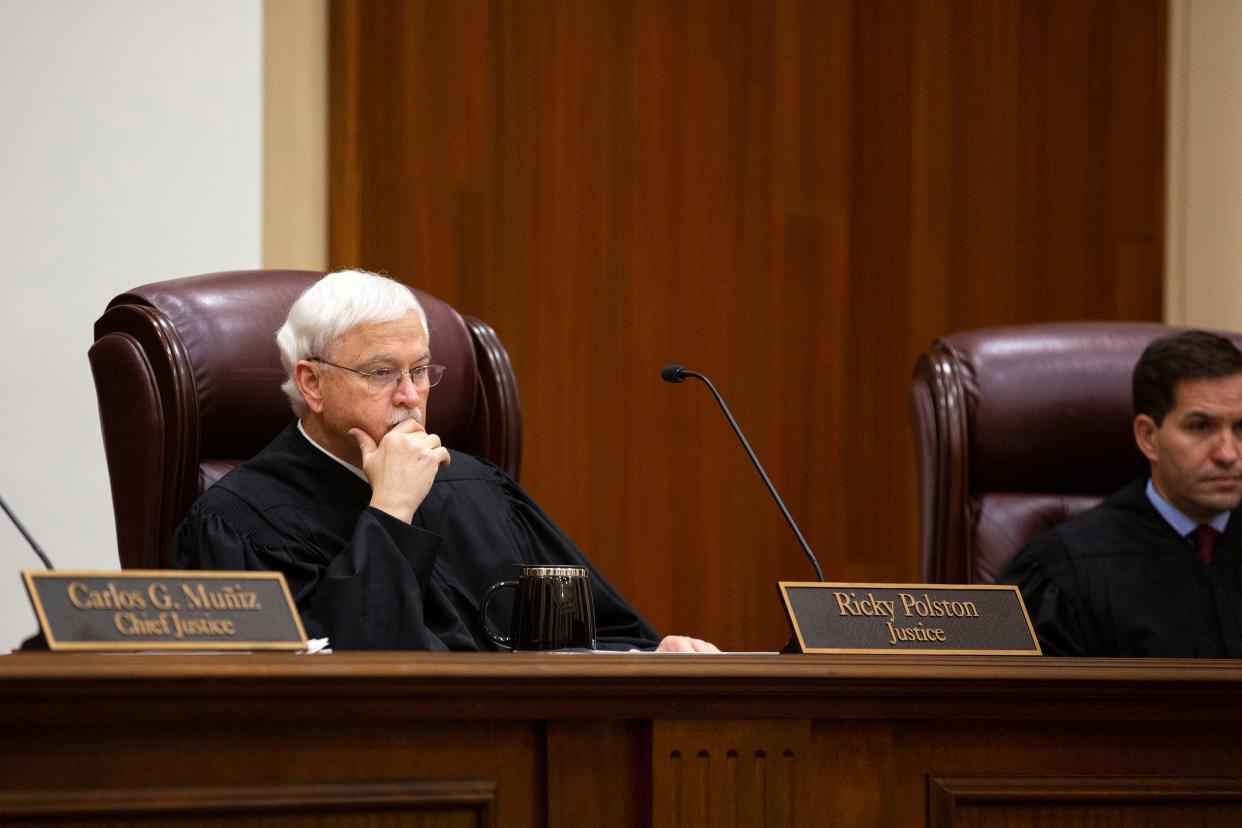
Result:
{"points": [[337, 772], [416, 739]]}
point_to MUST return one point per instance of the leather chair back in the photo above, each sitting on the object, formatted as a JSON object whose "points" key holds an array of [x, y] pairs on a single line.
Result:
{"points": [[188, 379], [1018, 429]]}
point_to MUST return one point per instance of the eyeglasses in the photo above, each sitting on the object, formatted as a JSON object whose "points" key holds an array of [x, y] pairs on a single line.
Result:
{"points": [[387, 379]]}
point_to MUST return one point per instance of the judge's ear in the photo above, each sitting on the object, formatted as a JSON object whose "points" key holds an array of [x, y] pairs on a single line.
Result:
{"points": [[1145, 429], [307, 376]]}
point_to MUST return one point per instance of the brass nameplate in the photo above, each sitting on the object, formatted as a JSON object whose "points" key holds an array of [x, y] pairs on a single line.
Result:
{"points": [[165, 610], [901, 618]]}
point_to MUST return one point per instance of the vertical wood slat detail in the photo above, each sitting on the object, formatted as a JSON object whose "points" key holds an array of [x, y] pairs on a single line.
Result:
{"points": [[744, 773]]}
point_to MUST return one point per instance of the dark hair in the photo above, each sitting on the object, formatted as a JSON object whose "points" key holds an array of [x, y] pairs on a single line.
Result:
{"points": [[1171, 359]]}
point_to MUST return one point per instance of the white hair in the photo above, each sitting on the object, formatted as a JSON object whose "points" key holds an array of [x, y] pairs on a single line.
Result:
{"points": [[336, 304]]}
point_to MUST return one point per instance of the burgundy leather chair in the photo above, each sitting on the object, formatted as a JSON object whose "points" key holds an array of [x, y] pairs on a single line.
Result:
{"points": [[1018, 429], [188, 378]]}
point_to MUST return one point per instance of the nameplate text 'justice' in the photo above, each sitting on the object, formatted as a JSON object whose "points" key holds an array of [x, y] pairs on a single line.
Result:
{"points": [[165, 610], [926, 618]]}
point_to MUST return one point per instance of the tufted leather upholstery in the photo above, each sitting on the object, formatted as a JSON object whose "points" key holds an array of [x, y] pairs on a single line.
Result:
{"points": [[1018, 429], [188, 379]]}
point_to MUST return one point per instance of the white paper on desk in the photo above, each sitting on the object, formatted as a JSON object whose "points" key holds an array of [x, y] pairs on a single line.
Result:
{"points": [[643, 652]]}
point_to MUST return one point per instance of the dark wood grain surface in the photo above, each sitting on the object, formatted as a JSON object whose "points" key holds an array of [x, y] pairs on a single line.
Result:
{"points": [[792, 197], [624, 740]]}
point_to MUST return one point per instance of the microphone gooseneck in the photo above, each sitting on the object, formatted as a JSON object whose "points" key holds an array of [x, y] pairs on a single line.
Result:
{"points": [[676, 374], [25, 534]]}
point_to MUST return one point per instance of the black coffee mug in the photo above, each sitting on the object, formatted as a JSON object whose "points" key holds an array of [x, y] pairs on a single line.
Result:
{"points": [[552, 610]]}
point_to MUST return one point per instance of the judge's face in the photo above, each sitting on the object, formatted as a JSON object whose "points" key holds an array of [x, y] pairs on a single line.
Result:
{"points": [[340, 400], [1196, 451]]}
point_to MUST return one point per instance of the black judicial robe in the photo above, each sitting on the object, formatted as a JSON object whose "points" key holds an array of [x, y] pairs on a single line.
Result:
{"points": [[1117, 580], [367, 580]]}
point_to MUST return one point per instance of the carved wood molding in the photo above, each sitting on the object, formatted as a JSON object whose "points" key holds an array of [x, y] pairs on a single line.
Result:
{"points": [[956, 801], [258, 803], [742, 772], [381, 685]]}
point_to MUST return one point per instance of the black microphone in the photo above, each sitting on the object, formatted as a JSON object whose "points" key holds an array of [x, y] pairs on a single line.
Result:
{"points": [[25, 534], [675, 374]]}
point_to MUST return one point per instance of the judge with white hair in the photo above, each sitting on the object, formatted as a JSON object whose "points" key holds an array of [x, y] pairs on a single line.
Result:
{"points": [[387, 539]]}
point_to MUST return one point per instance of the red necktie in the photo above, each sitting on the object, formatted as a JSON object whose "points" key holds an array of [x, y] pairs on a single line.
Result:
{"points": [[1205, 541]]}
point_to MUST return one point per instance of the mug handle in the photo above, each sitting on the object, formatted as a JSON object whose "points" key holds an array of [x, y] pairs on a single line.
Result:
{"points": [[497, 639]]}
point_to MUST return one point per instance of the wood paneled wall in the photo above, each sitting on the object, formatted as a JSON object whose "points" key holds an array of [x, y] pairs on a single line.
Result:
{"points": [[791, 197]]}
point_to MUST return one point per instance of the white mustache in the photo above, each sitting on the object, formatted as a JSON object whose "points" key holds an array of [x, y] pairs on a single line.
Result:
{"points": [[400, 415]]}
